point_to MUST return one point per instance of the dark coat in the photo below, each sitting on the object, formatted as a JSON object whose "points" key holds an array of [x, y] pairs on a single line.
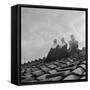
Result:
{"points": [[57, 53]]}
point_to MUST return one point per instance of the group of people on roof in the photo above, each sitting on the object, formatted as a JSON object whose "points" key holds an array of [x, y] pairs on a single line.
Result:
{"points": [[61, 51]]}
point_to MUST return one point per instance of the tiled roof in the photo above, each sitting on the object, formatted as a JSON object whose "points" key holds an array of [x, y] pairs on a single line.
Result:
{"points": [[72, 68]]}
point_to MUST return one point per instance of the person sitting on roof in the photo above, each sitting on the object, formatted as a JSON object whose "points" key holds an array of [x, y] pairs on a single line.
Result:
{"points": [[73, 45], [62, 50], [52, 53], [63, 42]]}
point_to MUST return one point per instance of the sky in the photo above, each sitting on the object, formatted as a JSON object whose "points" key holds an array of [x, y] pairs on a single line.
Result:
{"points": [[39, 27]]}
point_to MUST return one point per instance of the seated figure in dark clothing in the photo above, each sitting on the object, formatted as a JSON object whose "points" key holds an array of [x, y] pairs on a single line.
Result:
{"points": [[52, 53], [73, 45], [62, 50], [58, 52]]}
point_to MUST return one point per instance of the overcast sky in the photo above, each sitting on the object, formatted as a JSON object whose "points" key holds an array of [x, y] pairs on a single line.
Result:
{"points": [[40, 26]]}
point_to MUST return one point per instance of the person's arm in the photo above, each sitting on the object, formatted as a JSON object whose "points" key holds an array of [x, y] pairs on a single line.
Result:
{"points": [[70, 45]]}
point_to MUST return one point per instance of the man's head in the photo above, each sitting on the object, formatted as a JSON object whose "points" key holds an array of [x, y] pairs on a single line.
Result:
{"points": [[55, 41], [72, 36], [62, 39]]}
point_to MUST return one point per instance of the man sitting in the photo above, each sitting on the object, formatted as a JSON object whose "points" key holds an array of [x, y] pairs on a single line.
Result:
{"points": [[62, 50], [73, 45], [52, 53]]}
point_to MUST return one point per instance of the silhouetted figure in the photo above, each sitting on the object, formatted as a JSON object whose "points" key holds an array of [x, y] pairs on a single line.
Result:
{"points": [[52, 53], [73, 45], [62, 50]]}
